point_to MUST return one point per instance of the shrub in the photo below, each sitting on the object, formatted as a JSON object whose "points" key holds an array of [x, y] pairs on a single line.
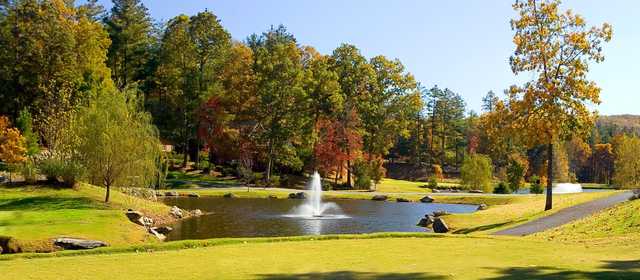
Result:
{"points": [[536, 185], [57, 170], [363, 182], [433, 182], [361, 172], [476, 172], [245, 174], [517, 167], [502, 188]]}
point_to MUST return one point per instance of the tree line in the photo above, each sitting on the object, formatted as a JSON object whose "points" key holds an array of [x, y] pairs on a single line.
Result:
{"points": [[270, 104]]}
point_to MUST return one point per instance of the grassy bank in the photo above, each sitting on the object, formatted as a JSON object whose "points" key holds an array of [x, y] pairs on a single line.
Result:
{"points": [[35, 214], [519, 210], [617, 225], [448, 257]]}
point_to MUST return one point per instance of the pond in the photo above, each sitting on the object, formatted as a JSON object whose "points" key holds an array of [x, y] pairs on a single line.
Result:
{"points": [[244, 217]]}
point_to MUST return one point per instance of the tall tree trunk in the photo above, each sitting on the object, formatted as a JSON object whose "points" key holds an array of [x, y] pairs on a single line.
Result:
{"points": [[349, 173], [197, 151], [106, 198], [269, 163], [549, 201], [338, 172]]}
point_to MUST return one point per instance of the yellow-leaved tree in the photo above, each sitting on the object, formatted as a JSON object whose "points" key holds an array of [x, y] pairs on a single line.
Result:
{"points": [[12, 144], [555, 48]]}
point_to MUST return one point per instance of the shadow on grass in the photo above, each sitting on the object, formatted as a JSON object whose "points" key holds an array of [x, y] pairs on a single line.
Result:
{"points": [[350, 275], [48, 203], [484, 228], [610, 270]]}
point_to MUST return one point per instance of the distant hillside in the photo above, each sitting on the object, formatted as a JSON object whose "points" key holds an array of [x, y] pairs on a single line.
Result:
{"points": [[619, 123]]}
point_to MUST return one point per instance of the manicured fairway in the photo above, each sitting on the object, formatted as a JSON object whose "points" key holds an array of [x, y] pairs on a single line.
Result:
{"points": [[387, 258]]}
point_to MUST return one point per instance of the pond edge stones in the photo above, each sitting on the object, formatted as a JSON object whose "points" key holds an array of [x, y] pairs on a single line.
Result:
{"points": [[78, 244], [439, 226], [298, 195], [427, 199], [379, 197]]}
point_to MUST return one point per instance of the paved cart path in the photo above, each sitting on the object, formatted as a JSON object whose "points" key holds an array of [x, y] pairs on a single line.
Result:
{"points": [[566, 215]]}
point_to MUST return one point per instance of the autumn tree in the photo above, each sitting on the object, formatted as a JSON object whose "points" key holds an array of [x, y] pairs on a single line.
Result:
{"points": [[192, 54], [51, 58], [578, 153], [627, 162], [281, 99], [129, 26], [602, 163], [355, 77], [393, 99], [222, 117], [12, 144], [556, 47]]}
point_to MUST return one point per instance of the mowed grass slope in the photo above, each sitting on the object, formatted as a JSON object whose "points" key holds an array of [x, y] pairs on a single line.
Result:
{"points": [[35, 214], [520, 209], [617, 225], [450, 257]]}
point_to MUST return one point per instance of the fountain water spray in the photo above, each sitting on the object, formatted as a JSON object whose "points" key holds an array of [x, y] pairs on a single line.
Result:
{"points": [[314, 208], [316, 194]]}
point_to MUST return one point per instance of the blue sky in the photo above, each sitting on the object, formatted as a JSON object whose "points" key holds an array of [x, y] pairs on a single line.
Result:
{"points": [[462, 45]]}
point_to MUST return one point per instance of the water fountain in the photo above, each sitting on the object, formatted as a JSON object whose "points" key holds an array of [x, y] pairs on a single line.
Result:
{"points": [[314, 208], [566, 188]]}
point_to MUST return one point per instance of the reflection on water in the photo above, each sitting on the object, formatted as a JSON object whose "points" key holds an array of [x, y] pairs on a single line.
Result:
{"points": [[275, 217]]}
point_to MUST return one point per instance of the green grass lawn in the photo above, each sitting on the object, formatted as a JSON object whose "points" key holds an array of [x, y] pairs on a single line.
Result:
{"points": [[181, 180], [35, 214], [398, 186], [424, 257], [616, 225], [518, 210]]}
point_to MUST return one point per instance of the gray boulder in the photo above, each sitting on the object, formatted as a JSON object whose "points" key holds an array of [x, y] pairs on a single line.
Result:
{"points": [[78, 244], [163, 229], [379, 197], [400, 199], [197, 213], [299, 195], [482, 207], [427, 199], [176, 212], [158, 235], [440, 213], [171, 194], [426, 221], [439, 226], [139, 218]]}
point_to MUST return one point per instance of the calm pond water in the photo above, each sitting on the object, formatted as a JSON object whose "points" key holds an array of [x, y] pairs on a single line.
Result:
{"points": [[241, 217]]}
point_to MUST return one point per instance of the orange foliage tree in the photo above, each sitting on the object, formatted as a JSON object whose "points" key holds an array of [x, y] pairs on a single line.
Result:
{"points": [[12, 144]]}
